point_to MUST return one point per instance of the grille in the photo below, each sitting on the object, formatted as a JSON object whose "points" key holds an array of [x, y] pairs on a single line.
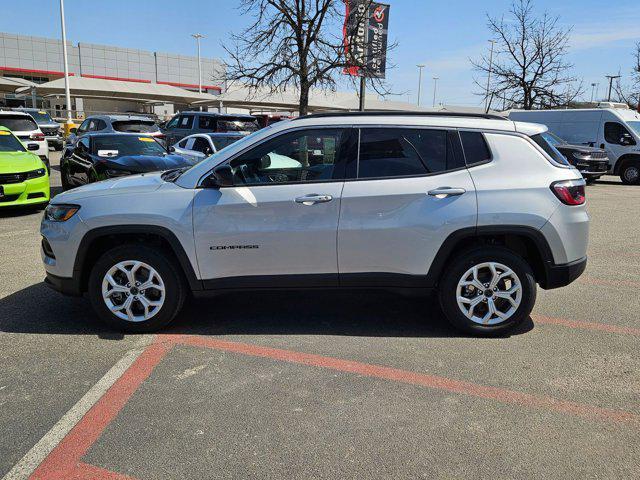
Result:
{"points": [[6, 178], [50, 131], [598, 155]]}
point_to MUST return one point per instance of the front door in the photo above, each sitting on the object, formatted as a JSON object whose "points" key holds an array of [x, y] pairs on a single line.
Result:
{"points": [[617, 140], [411, 190], [277, 226]]}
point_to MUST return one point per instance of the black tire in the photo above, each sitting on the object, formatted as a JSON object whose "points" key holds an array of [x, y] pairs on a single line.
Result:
{"points": [[65, 182], [447, 290], [630, 173], [175, 287]]}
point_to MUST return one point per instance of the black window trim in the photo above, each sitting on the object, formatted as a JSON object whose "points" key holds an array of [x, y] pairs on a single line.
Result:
{"points": [[449, 131], [343, 162]]}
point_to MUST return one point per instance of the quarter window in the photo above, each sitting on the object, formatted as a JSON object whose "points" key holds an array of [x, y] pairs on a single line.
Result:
{"points": [[395, 152], [303, 156], [475, 148]]}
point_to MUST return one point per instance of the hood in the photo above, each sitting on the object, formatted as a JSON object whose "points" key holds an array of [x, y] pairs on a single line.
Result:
{"points": [[143, 183], [148, 163], [17, 162], [580, 148]]}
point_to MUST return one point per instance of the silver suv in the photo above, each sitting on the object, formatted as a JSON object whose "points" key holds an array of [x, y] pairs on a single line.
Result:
{"points": [[476, 207]]}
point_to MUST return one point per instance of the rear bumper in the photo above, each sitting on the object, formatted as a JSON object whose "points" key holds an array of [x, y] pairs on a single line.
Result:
{"points": [[562, 275], [66, 286]]}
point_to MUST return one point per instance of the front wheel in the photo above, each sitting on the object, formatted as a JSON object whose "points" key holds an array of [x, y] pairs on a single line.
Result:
{"points": [[630, 174], [487, 291], [136, 288]]}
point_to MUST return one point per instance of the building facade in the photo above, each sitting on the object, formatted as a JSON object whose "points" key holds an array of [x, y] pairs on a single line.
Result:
{"points": [[40, 60]]}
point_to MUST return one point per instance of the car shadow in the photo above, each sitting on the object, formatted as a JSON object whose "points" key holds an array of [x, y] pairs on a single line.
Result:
{"points": [[39, 310]]}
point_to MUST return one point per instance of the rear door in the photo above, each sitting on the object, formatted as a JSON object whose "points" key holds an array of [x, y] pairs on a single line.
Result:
{"points": [[277, 225], [409, 191]]}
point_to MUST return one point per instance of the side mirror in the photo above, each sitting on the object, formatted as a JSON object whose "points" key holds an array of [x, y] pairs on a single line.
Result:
{"points": [[222, 176], [265, 162], [73, 130], [627, 140], [171, 149], [32, 147]]}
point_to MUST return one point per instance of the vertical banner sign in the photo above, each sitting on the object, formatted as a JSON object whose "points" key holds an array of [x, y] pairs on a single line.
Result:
{"points": [[366, 30]]}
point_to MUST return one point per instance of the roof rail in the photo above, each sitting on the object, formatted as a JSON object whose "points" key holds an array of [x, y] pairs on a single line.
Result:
{"points": [[388, 113]]}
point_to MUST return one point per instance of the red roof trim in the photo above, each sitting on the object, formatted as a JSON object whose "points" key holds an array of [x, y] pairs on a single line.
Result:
{"points": [[189, 85], [119, 79], [28, 70]]}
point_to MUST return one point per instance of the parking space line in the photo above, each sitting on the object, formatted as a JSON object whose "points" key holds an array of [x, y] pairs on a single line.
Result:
{"points": [[430, 381], [64, 459], [34, 457], [580, 324]]}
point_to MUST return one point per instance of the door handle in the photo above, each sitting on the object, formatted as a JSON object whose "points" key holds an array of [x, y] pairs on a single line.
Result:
{"points": [[314, 198], [444, 192]]}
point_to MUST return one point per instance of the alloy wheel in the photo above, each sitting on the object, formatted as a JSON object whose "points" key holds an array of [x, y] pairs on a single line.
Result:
{"points": [[489, 293], [133, 291]]}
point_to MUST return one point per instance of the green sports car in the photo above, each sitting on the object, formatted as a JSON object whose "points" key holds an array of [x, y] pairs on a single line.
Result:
{"points": [[23, 176]]}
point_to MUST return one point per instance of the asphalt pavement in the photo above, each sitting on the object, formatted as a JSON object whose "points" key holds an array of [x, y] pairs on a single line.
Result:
{"points": [[325, 384]]}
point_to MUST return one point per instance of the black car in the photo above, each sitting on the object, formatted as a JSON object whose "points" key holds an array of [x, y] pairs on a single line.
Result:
{"points": [[100, 156], [188, 123], [591, 162]]}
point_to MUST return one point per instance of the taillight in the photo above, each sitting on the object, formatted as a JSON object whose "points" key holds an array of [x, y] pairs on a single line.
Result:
{"points": [[569, 192], [37, 136]]}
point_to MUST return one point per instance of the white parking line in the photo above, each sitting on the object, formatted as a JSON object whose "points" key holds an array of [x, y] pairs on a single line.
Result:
{"points": [[34, 457]]}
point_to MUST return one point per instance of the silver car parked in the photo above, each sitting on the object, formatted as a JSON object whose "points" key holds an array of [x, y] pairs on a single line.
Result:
{"points": [[202, 145], [478, 208]]}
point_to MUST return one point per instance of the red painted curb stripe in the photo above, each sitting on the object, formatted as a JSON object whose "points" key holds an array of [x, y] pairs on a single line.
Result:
{"points": [[599, 327], [429, 381], [63, 461]]}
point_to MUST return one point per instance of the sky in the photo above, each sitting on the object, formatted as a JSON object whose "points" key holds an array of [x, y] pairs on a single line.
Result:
{"points": [[443, 35]]}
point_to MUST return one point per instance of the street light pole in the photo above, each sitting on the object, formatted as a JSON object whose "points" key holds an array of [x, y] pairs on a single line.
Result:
{"points": [[198, 36], [420, 67], [435, 89], [486, 101], [611, 79], [67, 91], [593, 91]]}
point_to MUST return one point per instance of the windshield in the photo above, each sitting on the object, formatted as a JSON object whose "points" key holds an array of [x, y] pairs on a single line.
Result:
{"points": [[635, 126], [9, 143], [550, 149], [123, 145], [554, 140], [18, 123], [136, 126], [41, 117], [237, 125]]}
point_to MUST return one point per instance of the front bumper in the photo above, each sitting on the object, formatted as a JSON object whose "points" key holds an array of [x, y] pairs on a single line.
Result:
{"points": [[561, 275], [30, 192], [66, 286]]}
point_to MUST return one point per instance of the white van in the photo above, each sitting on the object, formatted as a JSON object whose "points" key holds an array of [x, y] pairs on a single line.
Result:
{"points": [[616, 130]]}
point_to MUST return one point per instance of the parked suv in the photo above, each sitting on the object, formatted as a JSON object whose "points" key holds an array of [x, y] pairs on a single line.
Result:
{"points": [[477, 207], [591, 162], [116, 124], [50, 128], [188, 123]]}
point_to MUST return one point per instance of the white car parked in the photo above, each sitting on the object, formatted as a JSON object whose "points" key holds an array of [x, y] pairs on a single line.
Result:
{"points": [[476, 207], [199, 146], [26, 129]]}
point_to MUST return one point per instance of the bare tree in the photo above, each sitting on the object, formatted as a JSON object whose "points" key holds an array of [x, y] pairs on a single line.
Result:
{"points": [[529, 68], [291, 43]]}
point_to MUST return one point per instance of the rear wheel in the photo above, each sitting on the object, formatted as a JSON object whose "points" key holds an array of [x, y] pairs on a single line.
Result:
{"points": [[487, 291], [630, 173], [136, 288]]}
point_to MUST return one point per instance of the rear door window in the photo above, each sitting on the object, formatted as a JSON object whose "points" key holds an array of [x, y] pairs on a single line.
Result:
{"points": [[400, 152], [186, 122], [207, 122], [201, 145]]}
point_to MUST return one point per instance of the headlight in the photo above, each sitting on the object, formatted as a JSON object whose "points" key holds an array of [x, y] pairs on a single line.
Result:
{"points": [[36, 173], [582, 155], [60, 212]]}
